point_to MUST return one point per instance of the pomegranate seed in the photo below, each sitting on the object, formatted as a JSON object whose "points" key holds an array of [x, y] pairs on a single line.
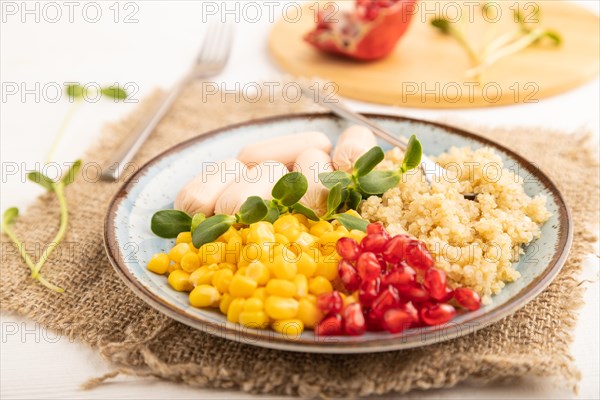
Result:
{"points": [[347, 248], [395, 249], [368, 266], [395, 321], [330, 302], [415, 293], [467, 298], [446, 296], [410, 309], [376, 228], [418, 256], [369, 290], [375, 242], [329, 326], [373, 320], [401, 276], [354, 320], [435, 283], [437, 314], [348, 276], [387, 299]]}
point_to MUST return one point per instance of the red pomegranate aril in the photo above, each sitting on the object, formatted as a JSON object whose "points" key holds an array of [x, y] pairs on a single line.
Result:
{"points": [[348, 275], [467, 298], [373, 320], [415, 293], [409, 308], [348, 248], [329, 326], [368, 266], [437, 314], [400, 276], [435, 282], [330, 302], [396, 320], [376, 228], [444, 297], [368, 292], [395, 249], [354, 320], [375, 242], [417, 255], [387, 299]]}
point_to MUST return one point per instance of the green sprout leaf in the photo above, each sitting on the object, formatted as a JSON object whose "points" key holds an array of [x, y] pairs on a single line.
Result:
{"points": [[378, 182], [170, 223], [290, 188], [273, 212], [368, 161], [442, 24], [330, 179], [412, 156], [9, 215], [353, 199], [253, 210], [334, 199], [75, 91], [211, 228], [307, 212], [351, 222], [41, 180], [72, 173], [114, 92], [197, 220]]}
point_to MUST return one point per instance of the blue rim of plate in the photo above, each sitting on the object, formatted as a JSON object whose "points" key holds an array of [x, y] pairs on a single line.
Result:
{"points": [[345, 344]]}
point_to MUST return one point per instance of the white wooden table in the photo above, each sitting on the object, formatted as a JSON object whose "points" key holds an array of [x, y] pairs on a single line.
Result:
{"points": [[153, 52]]}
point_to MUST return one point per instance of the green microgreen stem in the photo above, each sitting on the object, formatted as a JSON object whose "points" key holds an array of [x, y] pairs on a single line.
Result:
{"points": [[62, 130]]}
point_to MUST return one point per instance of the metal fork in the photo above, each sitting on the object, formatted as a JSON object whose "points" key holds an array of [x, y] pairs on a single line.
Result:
{"points": [[431, 170], [211, 60]]}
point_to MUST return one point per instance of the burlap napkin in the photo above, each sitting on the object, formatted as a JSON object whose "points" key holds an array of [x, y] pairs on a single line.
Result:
{"points": [[97, 308]]}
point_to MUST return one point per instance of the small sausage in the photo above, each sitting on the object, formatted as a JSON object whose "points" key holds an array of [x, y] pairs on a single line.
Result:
{"points": [[284, 149], [201, 193], [311, 163], [256, 181], [353, 143]]}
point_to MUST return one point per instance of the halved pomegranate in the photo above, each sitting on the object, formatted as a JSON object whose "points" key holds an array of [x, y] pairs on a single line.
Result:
{"points": [[369, 32]]}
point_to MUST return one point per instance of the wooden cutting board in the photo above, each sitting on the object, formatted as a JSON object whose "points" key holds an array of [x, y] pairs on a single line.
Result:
{"points": [[427, 69]]}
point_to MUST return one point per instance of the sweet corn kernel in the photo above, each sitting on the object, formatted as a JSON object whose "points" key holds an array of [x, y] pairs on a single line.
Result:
{"points": [[254, 319], [234, 310], [260, 293], [280, 238], [304, 228], [327, 267], [179, 280], [281, 308], [291, 328], [357, 235], [285, 223], [306, 241], [203, 275], [284, 269], [244, 234], [192, 247], [159, 263], [292, 234], [301, 283], [309, 313], [261, 232], [173, 267], [228, 266], [281, 288], [204, 296], [259, 272], [231, 232], [350, 298], [320, 228], [242, 286], [177, 252], [306, 265], [353, 213], [312, 298], [222, 279], [233, 248], [184, 237], [190, 262], [301, 219], [253, 304], [225, 302], [319, 285], [212, 253], [241, 271]]}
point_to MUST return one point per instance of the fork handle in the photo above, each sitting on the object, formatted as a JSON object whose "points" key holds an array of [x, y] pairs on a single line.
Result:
{"points": [[124, 154]]}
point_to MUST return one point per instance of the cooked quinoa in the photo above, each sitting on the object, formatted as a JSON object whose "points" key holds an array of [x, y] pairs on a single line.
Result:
{"points": [[475, 242]]}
